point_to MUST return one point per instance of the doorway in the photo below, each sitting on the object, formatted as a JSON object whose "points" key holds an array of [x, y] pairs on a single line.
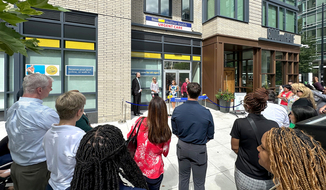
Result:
{"points": [[177, 71]]}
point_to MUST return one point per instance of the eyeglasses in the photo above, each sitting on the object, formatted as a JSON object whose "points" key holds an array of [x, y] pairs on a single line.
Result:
{"points": [[299, 91]]}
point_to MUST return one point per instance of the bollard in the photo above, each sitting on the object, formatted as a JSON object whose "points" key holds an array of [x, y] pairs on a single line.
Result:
{"points": [[121, 120], [125, 119]]}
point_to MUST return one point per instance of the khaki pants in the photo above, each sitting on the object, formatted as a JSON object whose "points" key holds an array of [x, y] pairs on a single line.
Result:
{"points": [[34, 177]]}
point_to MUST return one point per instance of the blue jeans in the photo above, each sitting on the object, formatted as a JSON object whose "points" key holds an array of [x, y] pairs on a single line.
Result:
{"points": [[48, 187], [154, 184]]}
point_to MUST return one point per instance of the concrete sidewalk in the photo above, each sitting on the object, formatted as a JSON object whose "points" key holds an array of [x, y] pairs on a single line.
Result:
{"points": [[221, 159]]}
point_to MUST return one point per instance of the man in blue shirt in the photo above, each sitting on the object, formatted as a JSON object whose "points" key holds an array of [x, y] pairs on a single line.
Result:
{"points": [[27, 122], [193, 125]]}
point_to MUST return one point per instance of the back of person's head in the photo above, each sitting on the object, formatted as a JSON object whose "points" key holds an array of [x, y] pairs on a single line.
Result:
{"points": [[295, 87], [103, 155], [271, 95], [157, 121], [33, 81], [309, 86], [256, 101], [303, 112], [69, 103], [193, 90], [287, 86], [297, 161], [307, 93]]}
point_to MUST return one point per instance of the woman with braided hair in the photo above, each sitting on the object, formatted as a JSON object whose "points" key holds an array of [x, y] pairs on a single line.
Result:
{"points": [[246, 134], [153, 140], [102, 157], [296, 160]]}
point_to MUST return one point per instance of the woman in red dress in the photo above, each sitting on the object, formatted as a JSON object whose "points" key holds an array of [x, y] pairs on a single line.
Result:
{"points": [[153, 140]]}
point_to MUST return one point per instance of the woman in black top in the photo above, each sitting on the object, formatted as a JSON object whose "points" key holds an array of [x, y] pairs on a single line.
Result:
{"points": [[248, 173]]}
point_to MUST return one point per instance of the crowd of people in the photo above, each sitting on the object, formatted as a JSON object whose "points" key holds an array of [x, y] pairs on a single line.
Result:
{"points": [[59, 150]]}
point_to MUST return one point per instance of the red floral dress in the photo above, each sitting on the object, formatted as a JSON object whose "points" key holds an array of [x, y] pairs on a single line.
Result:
{"points": [[148, 156]]}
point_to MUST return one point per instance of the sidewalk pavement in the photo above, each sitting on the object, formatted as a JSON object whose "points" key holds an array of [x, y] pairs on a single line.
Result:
{"points": [[221, 159]]}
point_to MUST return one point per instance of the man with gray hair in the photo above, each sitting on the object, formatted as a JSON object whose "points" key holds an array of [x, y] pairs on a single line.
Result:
{"points": [[27, 122]]}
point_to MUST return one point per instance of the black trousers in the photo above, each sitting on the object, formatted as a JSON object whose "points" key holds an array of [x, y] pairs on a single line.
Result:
{"points": [[154, 184], [137, 99]]}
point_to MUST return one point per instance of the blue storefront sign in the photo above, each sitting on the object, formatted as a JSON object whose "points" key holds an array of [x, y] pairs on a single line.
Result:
{"points": [[167, 23], [145, 72], [72, 70]]}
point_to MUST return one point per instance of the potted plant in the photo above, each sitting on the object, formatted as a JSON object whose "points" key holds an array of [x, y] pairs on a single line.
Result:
{"points": [[224, 98]]}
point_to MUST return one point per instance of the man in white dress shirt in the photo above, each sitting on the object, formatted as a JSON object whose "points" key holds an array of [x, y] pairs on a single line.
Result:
{"points": [[27, 122], [275, 112]]}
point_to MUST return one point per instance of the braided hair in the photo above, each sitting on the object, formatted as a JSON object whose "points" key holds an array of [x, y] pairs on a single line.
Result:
{"points": [[102, 155], [256, 101], [297, 160]]}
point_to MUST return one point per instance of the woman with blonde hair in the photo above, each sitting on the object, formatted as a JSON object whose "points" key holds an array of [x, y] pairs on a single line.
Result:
{"points": [[296, 160], [154, 87], [295, 97], [306, 98]]}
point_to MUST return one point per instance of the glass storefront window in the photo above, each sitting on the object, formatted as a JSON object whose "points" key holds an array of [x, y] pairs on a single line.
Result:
{"points": [[82, 83], [90, 101], [195, 72], [311, 19], [279, 73], [266, 81], [11, 74], [210, 9], [50, 101], [278, 55], [272, 18], [311, 4], [266, 66], [247, 55], [143, 65], [47, 57], [227, 8], [177, 65]]}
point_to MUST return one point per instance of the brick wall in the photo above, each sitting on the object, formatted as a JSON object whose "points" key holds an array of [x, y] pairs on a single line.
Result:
{"points": [[114, 52]]}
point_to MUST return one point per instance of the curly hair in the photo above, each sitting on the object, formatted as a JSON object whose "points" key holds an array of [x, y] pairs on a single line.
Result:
{"points": [[102, 155], [257, 100], [297, 160]]}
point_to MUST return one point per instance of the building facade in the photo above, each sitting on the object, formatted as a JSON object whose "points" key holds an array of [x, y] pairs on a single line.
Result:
{"points": [[252, 45], [310, 15], [99, 46]]}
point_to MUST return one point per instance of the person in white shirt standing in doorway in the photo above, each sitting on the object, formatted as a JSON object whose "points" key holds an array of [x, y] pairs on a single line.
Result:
{"points": [[27, 122], [275, 112]]}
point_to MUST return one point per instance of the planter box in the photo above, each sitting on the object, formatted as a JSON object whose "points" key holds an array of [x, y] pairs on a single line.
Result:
{"points": [[224, 104]]}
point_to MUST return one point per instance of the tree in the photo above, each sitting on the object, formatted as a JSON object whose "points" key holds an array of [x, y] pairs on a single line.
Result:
{"points": [[13, 12], [307, 53]]}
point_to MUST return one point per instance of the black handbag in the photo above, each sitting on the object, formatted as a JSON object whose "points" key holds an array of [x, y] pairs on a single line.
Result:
{"points": [[132, 140]]}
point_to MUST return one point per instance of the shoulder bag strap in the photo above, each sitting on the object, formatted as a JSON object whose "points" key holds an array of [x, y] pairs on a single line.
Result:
{"points": [[139, 121], [254, 127]]}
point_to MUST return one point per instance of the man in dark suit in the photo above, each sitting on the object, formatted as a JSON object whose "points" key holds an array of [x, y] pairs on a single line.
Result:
{"points": [[136, 92]]}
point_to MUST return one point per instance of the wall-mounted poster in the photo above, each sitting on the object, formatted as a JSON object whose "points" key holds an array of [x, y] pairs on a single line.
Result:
{"points": [[51, 70], [73, 70]]}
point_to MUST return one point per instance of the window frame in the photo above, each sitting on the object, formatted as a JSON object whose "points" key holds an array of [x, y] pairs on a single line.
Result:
{"points": [[191, 9], [279, 5], [159, 9], [217, 11]]}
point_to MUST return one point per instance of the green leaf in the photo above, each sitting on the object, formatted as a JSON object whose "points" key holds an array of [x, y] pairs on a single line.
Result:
{"points": [[32, 44], [10, 41], [11, 18], [12, 1], [43, 4], [3, 5], [25, 8]]}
